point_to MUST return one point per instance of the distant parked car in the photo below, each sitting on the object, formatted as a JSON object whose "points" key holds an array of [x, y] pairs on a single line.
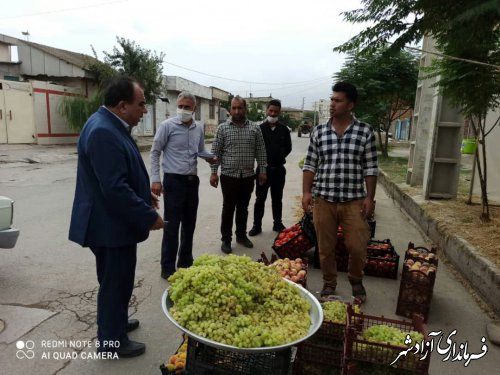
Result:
{"points": [[8, 235]]}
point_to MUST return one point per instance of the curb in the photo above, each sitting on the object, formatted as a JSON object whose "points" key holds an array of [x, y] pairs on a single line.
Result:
{"points": [[482, 275]]}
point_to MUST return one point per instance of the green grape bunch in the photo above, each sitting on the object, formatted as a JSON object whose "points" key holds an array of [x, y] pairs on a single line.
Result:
{"points": [[391, 335], [336, 311], [236, 301]]}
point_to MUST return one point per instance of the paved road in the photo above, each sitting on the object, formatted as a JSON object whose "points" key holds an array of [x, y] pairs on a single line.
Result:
{"points": [[48, 284]]}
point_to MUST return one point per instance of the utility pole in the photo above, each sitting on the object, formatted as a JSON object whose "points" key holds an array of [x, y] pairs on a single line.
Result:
{"points": [[314, 120], [303, 100]]}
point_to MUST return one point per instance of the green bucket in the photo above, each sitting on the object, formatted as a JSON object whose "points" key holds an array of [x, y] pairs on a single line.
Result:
{"points": [[469, 146]]}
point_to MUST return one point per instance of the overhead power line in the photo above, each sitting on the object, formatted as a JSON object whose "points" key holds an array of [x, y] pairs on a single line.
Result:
{"points": [[61, 10], [454, 58], [243, 81]]}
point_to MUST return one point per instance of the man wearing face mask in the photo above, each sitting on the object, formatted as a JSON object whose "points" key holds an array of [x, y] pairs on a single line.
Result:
{"points": [[278, 146], [181, 140]]}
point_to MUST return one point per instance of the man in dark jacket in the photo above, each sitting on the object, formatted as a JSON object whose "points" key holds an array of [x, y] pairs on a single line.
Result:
{"points": [[114, 209], [278, 146]]}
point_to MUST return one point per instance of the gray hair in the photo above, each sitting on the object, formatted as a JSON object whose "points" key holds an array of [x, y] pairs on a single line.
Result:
{"points": [[187, 95]]}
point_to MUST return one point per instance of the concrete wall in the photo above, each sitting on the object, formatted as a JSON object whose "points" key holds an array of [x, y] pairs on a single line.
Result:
{"points": [[492, 159], [5, 52]]}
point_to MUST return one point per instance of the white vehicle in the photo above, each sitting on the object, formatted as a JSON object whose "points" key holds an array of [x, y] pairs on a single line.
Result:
{"points": [[8, 235]]}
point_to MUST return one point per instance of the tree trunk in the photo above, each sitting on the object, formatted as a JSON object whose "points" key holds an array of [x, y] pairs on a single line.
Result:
{"points": [[482, 169]]}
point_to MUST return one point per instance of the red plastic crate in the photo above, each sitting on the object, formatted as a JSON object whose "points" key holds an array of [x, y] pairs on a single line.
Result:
{"points": [[357, 349]]}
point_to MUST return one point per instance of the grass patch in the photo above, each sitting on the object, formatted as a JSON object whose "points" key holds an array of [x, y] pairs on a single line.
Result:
{"points": [[395, 167]]}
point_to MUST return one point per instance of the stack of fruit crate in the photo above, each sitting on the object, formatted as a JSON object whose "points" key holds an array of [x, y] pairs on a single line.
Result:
{"points": [[417, 281], [322, 353]]}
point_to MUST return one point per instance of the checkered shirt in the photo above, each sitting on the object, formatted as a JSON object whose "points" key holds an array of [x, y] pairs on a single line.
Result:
{"points": [[238, 148], [341, 163]]}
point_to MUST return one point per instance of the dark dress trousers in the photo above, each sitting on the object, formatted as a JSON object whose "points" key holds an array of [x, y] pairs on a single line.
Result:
{"points": [[111, 213]]}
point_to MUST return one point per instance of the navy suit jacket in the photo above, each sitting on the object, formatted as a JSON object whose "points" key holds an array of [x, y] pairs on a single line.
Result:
{"points": [[112, 205]]}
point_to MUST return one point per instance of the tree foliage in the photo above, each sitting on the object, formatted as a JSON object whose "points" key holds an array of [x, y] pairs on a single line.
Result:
{"points": [[134, 61], [287, 120], [463, 29], [403, 22], [77, 109], [386, 85], [255, 112], [139, 63]]}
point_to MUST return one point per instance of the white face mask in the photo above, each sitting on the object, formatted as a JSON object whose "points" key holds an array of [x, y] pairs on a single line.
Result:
{"points": [[184, 115], [272, 120]]}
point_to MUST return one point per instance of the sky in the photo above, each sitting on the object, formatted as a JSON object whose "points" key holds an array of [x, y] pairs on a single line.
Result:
{"points": [[263, 47]]}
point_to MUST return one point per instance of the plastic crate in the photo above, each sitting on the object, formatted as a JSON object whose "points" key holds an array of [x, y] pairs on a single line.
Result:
{"points": [[382, 266], [295, 247], [302, 367], [203, 360], [381, 260], [334, 331], [327, 354], [416, 287], [163, 368], [359, 349], [422, 254], [366, 368], [380, 248], [415, 293]]}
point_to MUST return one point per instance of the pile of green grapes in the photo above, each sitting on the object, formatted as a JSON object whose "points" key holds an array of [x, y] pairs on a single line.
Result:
{"points": [[236, 301], [336, 311], [392, 335]]}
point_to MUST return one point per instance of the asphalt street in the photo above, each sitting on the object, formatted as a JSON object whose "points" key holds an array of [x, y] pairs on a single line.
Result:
{"points": [[48, 284]]}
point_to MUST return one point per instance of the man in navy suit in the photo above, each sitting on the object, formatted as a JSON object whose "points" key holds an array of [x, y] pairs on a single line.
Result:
{"points": [[114, 209]]}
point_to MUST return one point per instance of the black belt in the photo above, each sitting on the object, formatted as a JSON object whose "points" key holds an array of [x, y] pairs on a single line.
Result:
{"points": [[189, 177]]}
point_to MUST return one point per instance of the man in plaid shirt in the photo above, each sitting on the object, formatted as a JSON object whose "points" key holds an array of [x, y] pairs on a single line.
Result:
{"points": [[238, 143], [340, 161]]}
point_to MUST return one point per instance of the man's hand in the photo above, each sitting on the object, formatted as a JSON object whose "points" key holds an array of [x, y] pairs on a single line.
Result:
{"points": [[214, 180], [155, 201], [262, 178], [367, 208], [306, 201], [156, 188], [212, 161], [158, 224]]}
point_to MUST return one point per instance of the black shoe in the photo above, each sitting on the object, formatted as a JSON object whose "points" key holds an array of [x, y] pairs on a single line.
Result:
{"points": [[166, 274], [226, 247], [132, 324], [278, 227], [254, 231], [130, 349], [245, 242]]}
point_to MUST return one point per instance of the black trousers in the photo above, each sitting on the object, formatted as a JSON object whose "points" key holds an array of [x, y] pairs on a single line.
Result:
{"points": [[115, 273], [180, 197], [236, 193], [276, 183]]}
